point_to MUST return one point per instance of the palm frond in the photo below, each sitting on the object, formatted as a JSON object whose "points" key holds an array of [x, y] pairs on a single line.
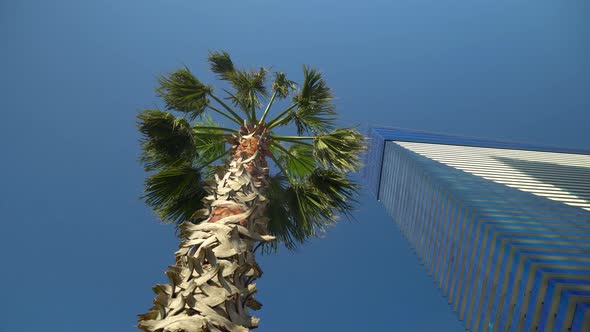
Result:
{"points": [[221, 64], [293, 214], [339, 191], [315, 112], [236, 101], [282, 85], [166, 139], [281, 88], [210, 140], [175, 193], [210, 143], [250, 87], [183, 92], [339, 149], [300, 211], [297, 159], [281, 223]]}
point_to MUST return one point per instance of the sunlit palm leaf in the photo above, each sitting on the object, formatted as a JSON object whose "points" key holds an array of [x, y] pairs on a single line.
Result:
{"points": [[315, 111], [175, 193], [282, 85], [210, 142], [339, 149], [183, 92], [249, 86], [297, 159], [165, 139]]}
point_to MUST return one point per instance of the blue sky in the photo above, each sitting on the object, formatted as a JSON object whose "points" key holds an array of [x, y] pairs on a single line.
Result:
{"points": [[80, 251]]}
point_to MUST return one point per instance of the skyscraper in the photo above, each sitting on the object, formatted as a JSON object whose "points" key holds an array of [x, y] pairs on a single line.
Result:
{"points": [[502, 227]]}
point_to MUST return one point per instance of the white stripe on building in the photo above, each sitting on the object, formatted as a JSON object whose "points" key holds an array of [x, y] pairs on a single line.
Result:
{"points": [[487, 163]]}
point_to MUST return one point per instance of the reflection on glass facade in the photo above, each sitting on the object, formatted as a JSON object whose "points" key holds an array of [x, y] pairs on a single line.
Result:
{"points": [[503, 228]]}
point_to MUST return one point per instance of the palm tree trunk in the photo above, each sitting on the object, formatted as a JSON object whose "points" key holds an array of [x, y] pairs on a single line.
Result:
{"points": [[211, 283]]}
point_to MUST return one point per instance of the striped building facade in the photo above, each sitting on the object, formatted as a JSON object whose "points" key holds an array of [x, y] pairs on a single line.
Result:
{"points": [[503, 228]]}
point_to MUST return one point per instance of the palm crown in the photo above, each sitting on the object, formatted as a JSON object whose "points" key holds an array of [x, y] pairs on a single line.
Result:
{"points": [[310, 186]]}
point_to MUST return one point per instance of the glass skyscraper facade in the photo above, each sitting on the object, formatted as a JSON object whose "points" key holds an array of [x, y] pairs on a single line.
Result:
{"points": [[503, 228]]}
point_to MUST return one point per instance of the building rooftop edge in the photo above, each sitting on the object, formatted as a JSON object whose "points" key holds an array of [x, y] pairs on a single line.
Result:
{"points": [[379, 135], [412, 135]]}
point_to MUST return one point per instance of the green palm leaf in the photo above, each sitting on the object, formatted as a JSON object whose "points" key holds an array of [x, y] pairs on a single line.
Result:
{"points": [[297, 159], [295, 215], [221, 64], [338, 191], [210, 143], [210, 140], [281, 222], [165, 139], [250, 87], [302, 210], [282, 85], [175, 193], [339, 149], [315, 112], [183, 92]]}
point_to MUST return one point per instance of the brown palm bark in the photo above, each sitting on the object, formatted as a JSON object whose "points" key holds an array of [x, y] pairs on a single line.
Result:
{"points": [[211, 284]]}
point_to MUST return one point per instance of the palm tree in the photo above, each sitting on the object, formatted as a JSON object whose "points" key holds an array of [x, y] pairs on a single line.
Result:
{"points": [[214, 183]]}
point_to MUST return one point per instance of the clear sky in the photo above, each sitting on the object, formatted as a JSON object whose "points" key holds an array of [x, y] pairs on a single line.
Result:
{"points": [[79, 250]]}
